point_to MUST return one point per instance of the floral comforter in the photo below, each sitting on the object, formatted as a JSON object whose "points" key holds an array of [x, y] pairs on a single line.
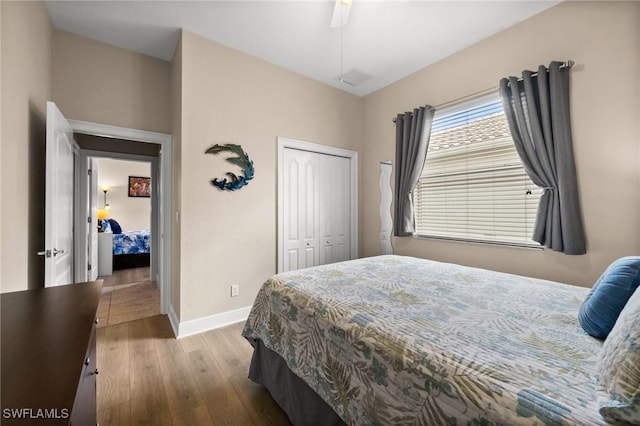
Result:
{"points": [[132, 242], [394, 340]]}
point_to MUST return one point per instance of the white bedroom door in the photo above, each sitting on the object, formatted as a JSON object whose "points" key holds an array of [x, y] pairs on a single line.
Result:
{"points": [[59, 199], [316, 203]]}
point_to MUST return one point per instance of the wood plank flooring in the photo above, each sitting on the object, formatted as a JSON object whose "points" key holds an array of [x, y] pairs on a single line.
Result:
{"points": [[147, 377], [129, 295], [127, 276]]}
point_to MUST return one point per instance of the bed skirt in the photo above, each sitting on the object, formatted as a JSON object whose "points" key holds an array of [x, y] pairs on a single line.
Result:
{"points": [[292, 394], [126, 261]]}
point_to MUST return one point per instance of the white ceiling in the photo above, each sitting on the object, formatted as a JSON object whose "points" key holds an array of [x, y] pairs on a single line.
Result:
{"points": [[387, 40]]}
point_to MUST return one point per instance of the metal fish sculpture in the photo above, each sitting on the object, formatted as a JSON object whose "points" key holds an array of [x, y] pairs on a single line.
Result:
{"points": [[242, 161]]}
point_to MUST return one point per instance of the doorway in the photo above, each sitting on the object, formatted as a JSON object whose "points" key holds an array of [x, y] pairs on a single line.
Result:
{"points": [[124, 143], [126, 211]]}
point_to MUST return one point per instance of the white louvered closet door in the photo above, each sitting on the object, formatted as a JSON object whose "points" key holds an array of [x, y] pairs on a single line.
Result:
{"points": [[317, 225]]}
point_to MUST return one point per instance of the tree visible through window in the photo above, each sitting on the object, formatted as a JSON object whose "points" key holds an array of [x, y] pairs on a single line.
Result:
{"points": [[473, 186]]}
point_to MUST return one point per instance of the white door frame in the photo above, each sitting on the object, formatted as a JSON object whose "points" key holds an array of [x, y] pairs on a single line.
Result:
{"points": [[288, 143], [91, 235], [165, 224]]}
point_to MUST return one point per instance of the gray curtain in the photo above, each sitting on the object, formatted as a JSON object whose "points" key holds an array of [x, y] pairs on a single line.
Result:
{"points": [[537, 110], [412, 140]]}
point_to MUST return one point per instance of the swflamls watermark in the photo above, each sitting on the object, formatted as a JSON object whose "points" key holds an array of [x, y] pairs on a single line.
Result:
{"points": [[35, 413]]}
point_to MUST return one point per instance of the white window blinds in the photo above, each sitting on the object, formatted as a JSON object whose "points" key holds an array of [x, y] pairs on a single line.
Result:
{"points": [[473, 186]]}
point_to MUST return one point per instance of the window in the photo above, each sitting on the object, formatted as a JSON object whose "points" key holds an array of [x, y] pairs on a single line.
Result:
{"points": [[473, 186]]}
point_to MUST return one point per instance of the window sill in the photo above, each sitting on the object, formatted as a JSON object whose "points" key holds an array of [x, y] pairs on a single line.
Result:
{"points": [[533, 246]]}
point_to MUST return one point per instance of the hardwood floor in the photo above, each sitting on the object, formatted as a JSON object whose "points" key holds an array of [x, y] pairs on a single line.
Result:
{"points": [[128, 295], [127, 276], [149, 377]]}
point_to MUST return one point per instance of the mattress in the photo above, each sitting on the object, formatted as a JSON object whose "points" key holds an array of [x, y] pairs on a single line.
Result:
{"points": [[406, 341]]}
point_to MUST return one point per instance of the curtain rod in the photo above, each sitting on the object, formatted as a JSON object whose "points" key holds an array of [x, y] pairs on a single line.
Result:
{"points": [[567, 64]]}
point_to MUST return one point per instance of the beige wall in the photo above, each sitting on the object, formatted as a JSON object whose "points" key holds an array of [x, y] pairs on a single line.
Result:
{"points": [[102, 83], [176, 116], [131, 213], [602, 37], [229, 97], [27, 46], [637, 37]]}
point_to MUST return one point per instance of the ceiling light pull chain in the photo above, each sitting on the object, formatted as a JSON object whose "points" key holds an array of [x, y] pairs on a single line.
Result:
{"points": [[341, 54]]}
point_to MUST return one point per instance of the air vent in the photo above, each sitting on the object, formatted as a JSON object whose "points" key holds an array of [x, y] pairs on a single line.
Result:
{"points": [[354, 77]]}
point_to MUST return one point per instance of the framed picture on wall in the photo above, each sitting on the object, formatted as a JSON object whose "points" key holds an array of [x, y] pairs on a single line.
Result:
{"points": [[139, 186]]}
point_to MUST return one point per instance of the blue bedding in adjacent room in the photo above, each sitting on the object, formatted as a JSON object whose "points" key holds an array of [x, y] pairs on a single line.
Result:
{"points": [[132, 242]]}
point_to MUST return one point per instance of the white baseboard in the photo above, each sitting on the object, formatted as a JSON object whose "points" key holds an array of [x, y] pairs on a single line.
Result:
{"points": [[200, 325], [173, 319]]}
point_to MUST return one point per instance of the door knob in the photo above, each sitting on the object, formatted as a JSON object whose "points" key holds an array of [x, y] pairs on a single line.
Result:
{"points": [[49, 253]]}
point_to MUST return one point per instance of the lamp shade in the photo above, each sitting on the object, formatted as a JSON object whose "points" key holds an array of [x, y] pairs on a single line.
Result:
{"points": [[102, 214]]}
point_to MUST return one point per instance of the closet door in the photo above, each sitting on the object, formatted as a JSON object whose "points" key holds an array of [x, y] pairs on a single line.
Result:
{"points": [[335, 211], [301, 207], [317, 209]]}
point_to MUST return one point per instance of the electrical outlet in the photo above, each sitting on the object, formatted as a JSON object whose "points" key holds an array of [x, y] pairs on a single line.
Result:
{"points": [[234, 290]]}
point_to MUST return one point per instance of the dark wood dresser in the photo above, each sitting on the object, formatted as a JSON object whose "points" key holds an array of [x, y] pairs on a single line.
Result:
{"points": [[49, 355]]}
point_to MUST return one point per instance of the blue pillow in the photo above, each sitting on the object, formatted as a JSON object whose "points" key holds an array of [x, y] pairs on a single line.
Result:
{"points": [[106, 227], [115, 226], [600, 310]]}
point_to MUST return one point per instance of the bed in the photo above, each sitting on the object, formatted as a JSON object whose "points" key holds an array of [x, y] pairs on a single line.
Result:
{"points": [[394, 340], [131, 249]]}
